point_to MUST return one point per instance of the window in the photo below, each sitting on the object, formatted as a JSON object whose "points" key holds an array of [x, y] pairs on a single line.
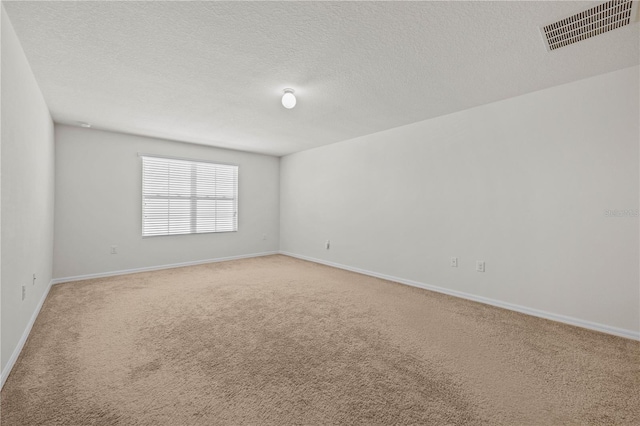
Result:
{"points": [[188, 197]]}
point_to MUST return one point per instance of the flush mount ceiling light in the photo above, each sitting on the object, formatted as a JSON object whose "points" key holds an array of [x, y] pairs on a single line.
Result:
{"points": [[83, 124], [288, 99]]}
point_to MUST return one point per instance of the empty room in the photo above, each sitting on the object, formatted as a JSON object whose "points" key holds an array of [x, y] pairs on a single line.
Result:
{"points": [[320, 213]]}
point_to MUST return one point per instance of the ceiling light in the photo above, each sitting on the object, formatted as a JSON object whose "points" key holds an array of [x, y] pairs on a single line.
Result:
{"points": [[83, 124], [288, 99]]}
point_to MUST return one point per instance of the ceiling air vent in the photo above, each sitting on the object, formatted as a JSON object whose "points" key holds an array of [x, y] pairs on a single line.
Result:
{"points": [[597, 20]]}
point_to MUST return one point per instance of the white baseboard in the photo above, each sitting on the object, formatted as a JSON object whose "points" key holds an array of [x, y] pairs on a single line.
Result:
{"points": [[23, 339], [157, 268], [629, 334], [25, 334]]}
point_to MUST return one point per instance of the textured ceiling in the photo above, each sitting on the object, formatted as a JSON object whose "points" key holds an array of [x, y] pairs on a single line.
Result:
{"points": [[213, 72]]}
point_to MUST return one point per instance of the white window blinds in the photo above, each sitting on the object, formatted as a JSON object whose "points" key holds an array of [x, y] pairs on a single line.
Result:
{"points": [[188, 197]]}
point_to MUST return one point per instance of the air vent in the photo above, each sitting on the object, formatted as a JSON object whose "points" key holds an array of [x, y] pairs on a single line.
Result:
{"points": [[597, 20]]}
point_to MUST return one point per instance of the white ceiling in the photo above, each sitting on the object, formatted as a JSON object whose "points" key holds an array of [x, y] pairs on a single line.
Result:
{"points": [[213, 72]]}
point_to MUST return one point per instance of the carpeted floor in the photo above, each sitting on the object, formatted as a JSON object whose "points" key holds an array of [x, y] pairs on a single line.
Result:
{"points": [[280, 341]]}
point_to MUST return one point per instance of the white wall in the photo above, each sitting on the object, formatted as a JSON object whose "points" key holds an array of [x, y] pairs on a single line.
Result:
{"points": [[521, 184], [98, 204], [27, 194]]}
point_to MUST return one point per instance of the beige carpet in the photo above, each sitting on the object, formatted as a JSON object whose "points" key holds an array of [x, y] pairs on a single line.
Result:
{"points": [[280, 341]]}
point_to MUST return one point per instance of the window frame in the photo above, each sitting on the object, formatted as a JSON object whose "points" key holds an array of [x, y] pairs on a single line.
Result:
{"points": [[189, 160]]}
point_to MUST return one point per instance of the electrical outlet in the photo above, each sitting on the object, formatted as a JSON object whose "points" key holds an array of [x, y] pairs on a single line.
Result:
{"points": [[327, 244], [454, 262], [479, 266], [24, 292], [114, 249]]}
